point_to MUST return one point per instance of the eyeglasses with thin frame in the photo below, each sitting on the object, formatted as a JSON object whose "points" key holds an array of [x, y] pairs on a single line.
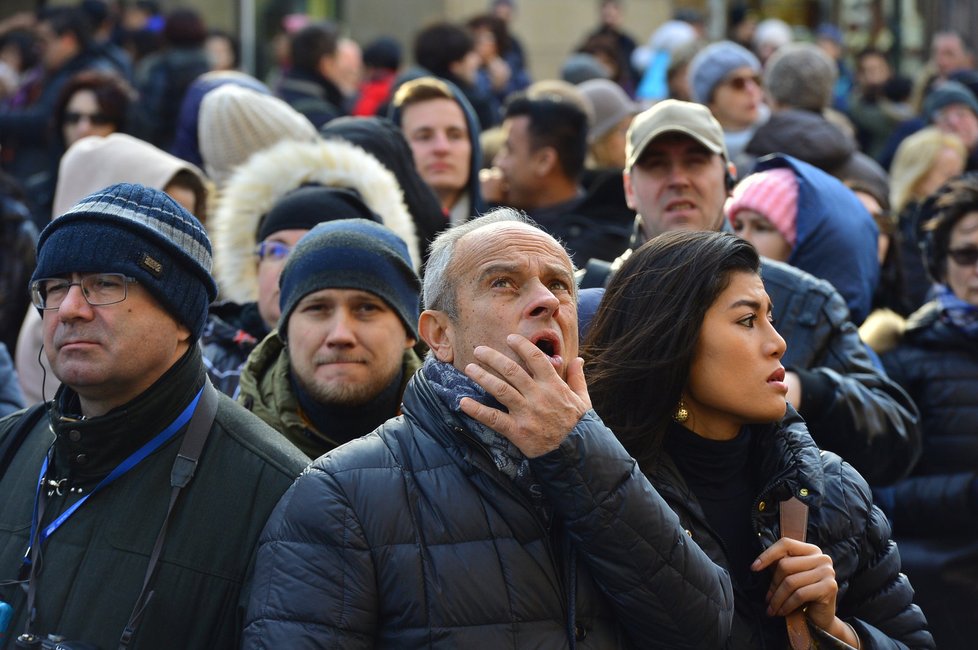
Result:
{"points": [[964, 256], [98, 289], [740, 83], [272, 250]]}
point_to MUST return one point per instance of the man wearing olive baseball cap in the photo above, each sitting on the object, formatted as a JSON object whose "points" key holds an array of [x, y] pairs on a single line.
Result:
{"points": [[677, 174], [677, 177]]}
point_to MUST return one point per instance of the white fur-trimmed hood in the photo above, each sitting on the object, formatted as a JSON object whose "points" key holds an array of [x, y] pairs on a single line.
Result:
{"points": [[268, 175]]}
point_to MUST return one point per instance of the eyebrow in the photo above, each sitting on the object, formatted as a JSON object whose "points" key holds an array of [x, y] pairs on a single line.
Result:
{"points": [[506, 268], [753, 304]]}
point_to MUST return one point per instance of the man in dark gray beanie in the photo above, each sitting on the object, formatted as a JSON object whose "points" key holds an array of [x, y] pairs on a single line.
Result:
{"points": [[337, 365], [125, 482], [953, 108]]}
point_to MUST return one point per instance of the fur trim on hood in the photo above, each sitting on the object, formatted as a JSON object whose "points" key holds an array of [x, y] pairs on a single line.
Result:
{"points": [[268, 175]]}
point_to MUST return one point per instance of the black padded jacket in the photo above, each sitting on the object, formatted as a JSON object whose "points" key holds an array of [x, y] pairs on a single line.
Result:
{"points": [[411, 538], [873, 597]]}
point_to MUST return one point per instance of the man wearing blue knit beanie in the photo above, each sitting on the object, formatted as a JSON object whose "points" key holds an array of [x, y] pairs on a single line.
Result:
{"points": [[119, 518], [337, 365]]}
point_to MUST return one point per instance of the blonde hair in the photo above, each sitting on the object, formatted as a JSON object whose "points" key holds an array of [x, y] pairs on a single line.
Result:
{"points": [[914, 159], [419, 90]]}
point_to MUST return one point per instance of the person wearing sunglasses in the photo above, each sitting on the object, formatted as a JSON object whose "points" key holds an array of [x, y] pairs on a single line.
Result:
{"points": [[726, 78], [935, 511], [92, 103]]}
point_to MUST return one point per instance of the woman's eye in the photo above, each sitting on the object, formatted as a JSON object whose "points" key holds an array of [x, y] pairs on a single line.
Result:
{"points": [[748, 321]]}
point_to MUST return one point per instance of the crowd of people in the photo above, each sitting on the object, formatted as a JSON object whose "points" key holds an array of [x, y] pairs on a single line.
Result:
{"points": [[675, 349]]}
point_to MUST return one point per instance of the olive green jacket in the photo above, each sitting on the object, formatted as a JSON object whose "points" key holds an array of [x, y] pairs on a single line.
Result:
{"points": [[267, 392]]}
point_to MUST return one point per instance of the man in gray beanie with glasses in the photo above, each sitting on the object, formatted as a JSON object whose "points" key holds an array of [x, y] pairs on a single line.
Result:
{"points": [[132, 500]]}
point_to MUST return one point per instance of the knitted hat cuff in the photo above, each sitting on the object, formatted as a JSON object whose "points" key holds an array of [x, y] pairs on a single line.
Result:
{"points": [[142, 233]]}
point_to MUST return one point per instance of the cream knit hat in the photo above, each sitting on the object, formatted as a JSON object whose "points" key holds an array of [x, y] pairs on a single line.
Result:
{"points": [[236, 122]]}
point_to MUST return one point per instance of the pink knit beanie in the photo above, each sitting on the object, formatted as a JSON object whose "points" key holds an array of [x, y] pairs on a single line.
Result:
{"points": [[772, 193]]}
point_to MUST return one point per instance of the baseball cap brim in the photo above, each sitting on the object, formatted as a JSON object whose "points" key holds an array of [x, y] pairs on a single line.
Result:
{"points": [[674, 116]]}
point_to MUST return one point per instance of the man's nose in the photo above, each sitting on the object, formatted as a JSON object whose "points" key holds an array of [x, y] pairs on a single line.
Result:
{"points": [[678, 175], [542, 301], [340, 330], [74, 304]]}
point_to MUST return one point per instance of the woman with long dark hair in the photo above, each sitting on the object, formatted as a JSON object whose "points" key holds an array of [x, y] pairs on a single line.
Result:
{"points": [[683, 364]]}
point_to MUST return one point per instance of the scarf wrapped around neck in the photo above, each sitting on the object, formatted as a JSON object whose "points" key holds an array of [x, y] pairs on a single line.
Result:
{"points": [[957, 313]]}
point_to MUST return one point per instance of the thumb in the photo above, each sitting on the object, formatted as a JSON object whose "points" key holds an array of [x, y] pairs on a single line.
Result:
{"points": [[576, 381]]}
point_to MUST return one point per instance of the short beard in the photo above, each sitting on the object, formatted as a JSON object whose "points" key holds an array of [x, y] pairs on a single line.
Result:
{"points": [[347, 395]]}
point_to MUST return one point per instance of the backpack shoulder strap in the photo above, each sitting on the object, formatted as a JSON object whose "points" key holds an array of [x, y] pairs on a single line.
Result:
{"points": [[18, 434]]}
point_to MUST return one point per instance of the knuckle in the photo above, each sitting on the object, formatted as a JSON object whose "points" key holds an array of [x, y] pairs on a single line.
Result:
{"points": [[510, 369]]}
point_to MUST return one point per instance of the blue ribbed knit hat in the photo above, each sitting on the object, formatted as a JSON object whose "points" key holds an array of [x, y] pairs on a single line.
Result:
{"points": [[351, 254], [713, 63], [143, 233]]}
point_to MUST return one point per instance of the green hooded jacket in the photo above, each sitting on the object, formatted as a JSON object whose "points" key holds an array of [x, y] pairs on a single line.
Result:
{"points": [[267, 392]]}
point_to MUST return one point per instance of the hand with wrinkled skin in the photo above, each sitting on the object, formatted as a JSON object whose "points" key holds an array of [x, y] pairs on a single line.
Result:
{"points": [[543, 408], [804, 577]]}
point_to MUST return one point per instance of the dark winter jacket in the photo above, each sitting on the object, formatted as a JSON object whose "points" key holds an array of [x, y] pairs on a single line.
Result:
{"points": [[319, 99], [18, 236], [11, 399], [94, 564], [595, 225], [935, 511], [162, 80], [851, 407], [267, 391], [410, 537], [836, 236], [873, 597], [230, 334]]}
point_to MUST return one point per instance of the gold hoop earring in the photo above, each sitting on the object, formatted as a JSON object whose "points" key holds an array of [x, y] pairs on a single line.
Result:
{"points": [[681, 413]]}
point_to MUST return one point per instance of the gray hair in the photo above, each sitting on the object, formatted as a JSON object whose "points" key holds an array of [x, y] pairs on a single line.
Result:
{"points": [[439, 290]]}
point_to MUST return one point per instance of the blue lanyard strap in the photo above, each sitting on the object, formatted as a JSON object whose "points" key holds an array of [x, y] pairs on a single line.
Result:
{"points": [[134, 459]]}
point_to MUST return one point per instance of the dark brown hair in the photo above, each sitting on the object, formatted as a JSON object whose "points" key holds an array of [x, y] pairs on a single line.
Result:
{"points": [[641, 343]]}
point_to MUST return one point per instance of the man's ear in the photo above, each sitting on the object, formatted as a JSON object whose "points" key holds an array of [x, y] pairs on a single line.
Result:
{"points": [[545, 160], [435, 328], [626, 179]]}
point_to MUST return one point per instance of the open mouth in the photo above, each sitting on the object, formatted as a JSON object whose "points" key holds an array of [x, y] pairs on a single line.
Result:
{"points": [[549, 344], [547, 347]]}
